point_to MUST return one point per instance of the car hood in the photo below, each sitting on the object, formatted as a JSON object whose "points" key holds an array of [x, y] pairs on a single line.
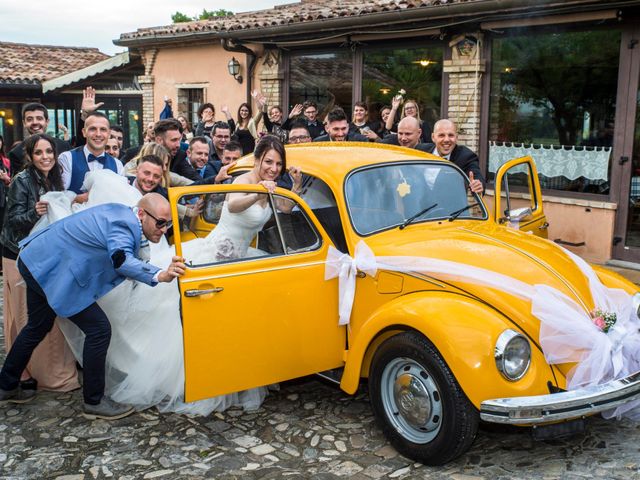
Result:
{"points": [[485, 245]]}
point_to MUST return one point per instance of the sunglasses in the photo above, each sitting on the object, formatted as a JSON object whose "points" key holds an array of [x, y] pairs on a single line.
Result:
{"points": [[160, 222]]}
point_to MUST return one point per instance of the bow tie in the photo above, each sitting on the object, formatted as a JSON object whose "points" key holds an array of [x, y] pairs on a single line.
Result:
{"points": [[92, 158]]}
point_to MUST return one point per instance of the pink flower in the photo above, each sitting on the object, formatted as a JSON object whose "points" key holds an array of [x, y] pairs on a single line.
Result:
{"points": [[599, 322]]}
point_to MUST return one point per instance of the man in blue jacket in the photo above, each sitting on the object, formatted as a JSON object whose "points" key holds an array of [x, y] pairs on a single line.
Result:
{"points": [[67, 267]]}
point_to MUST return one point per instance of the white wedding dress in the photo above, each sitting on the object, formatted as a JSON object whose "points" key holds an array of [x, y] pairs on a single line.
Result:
{"points": [[231, 237], [144, 365]]}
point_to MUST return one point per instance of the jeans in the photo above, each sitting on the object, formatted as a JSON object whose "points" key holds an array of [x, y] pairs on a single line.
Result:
{"points": [[92, 321]]}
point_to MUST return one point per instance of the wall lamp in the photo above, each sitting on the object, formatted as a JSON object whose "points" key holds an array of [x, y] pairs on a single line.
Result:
{"points": [[234, 69]]}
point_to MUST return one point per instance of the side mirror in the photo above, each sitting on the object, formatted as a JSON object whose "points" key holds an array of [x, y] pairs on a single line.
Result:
{"points": [[516, 214]]}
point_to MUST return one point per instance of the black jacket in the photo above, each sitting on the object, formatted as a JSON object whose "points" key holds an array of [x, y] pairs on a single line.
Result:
{"points": [[316, 129], [129, 153], [16, 155], [180, 164], [202, 131], [20, 214], [392, 139], [464, 158], [281, 130], [351, 137]]}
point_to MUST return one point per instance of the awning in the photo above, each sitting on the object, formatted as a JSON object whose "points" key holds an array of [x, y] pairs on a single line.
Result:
{"points": [[106, 66]]}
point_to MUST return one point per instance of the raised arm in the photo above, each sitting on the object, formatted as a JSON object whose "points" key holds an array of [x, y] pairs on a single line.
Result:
{"points": [[395, 104], [284, 204]]}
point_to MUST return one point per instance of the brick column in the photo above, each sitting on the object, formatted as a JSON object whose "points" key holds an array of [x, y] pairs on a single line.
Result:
{"points": [[271, 78], [465, 71], [146, 82]]}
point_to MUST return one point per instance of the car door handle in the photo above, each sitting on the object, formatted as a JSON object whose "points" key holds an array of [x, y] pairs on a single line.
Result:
{"points": [[544, 226], [196, 293]]}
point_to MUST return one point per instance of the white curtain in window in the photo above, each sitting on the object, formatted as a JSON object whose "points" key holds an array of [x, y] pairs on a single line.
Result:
{"points": [[555, 160]]}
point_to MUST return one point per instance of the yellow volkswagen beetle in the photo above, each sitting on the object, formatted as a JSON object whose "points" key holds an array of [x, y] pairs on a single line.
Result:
{"points": [[439, 354]]}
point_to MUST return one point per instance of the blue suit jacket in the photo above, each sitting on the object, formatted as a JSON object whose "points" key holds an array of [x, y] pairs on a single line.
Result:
{"points": [[212, 168], [72, 258]]}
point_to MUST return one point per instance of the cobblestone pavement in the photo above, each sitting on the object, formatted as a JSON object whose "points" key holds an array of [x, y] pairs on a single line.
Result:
{"points": [[308, 429]]}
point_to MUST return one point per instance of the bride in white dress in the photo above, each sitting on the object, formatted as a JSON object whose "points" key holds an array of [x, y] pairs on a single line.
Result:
{"points": [[144, 365]]}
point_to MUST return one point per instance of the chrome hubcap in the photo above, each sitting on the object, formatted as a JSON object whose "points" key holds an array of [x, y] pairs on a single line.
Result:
{"points": [[411, 400]]}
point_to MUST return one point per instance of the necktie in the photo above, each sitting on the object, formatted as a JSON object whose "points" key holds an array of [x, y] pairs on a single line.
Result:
{"points": [[92, 158], [145, 250]]}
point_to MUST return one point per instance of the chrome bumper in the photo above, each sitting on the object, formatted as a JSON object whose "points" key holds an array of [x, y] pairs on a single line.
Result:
{"points": [[561, 406]]}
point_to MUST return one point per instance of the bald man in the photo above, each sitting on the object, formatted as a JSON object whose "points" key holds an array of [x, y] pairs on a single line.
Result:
{"points": [[67, 267], [445, 145], [408, 135]]}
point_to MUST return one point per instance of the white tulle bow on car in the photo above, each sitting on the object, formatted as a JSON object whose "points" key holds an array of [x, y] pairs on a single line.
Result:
{"points": [[567, 331]]}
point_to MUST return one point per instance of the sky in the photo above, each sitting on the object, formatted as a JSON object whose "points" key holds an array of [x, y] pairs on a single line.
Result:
{"points": [[82, 23]]}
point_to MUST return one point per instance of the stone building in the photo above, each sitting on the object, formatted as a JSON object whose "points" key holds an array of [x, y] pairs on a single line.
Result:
{"points": [[554, 79]]}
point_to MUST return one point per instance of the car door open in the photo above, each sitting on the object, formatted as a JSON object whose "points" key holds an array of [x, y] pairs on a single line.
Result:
{"points": [[259, 315], [520, 210]]}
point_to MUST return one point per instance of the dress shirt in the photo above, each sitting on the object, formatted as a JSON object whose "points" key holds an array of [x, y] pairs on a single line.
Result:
{"points": [[145, 249], [64, 159], [446, 157]]}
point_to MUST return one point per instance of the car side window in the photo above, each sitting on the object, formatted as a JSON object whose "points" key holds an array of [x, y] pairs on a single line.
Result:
{"points": [[322, 202], [271, 226], [213, 207], [298, 232]]}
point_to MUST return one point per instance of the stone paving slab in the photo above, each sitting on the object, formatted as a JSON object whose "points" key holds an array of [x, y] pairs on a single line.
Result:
{"points": [[308, 429]]}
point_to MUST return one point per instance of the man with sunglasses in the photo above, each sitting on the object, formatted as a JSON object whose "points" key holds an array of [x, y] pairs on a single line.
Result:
{"points": [[95, 250]]}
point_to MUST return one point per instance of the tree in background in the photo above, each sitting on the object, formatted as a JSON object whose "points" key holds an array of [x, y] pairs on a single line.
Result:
{"points": [[180, 17]]}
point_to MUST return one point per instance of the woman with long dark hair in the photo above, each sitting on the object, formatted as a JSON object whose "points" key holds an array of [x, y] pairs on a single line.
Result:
{"points": [[52, 365], [247, 127]]}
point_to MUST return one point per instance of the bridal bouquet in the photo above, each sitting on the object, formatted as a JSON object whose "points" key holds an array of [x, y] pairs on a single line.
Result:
{"points": [[603, 320]]}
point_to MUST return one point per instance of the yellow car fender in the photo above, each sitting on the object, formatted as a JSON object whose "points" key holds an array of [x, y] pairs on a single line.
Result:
{"points": [[614, 280], [464, 330]]}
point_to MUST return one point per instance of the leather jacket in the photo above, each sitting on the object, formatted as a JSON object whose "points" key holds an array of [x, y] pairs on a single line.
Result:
{"points": [[20, 213]]}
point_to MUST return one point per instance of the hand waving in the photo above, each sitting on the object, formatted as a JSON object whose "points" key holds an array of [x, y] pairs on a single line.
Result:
{"points": [[89, 104], [295, 111]]}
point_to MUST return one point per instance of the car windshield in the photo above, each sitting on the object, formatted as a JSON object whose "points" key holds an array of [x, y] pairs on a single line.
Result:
{"points": [[386, 196]]}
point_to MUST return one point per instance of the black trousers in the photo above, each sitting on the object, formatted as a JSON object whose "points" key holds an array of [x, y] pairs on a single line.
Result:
{"points": [[92, 321]]}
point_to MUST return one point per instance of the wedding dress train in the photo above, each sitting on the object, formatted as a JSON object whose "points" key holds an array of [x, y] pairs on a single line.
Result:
{"points": [[144, 365]]}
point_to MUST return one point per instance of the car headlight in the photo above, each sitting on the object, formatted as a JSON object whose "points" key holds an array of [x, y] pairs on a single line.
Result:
{"points": [[636, 304], [513, 355]]}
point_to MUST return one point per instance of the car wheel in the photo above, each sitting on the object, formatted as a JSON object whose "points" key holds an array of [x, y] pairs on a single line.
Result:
{"points": [[418, 403]]}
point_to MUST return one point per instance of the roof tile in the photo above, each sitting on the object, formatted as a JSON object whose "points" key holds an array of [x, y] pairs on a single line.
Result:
{"points": [[32, 64], [303, 11]]}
